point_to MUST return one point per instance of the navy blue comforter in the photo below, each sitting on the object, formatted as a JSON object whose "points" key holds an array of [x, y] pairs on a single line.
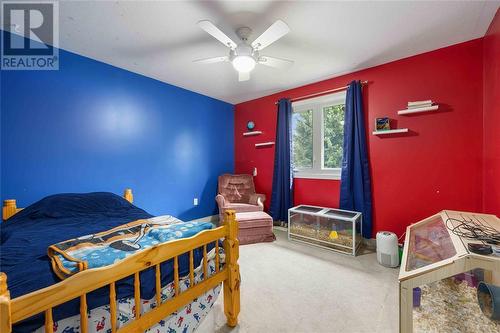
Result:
{"points": [[26, 236]]}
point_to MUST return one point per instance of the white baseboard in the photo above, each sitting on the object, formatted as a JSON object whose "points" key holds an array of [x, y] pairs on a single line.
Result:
{"points": [[370, 243], [210, 218]]}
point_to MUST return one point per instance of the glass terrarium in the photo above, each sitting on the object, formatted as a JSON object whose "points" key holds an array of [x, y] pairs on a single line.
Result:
{"points": [[334, 229]]}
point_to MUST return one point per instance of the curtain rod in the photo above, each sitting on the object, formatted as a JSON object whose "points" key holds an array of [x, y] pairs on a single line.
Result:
{"points": [[322, 93]]}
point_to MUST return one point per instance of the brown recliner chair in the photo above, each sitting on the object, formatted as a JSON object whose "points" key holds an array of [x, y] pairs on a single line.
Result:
{"points": [[237, 192]]}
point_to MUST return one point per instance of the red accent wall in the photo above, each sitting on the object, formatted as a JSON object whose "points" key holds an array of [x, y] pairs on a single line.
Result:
{"points": [[438, 165], [319, 192], [491, 186]]}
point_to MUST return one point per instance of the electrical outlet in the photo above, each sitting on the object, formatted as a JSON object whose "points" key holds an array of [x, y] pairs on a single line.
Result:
{"points": [[195, 201]]}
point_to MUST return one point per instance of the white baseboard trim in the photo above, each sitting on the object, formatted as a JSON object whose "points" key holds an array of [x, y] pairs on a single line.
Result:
{"points": [[370, 243], [210, 218]]}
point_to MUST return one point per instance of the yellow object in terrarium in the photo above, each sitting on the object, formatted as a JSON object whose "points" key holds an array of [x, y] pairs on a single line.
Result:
{"points": [[334, 235]]}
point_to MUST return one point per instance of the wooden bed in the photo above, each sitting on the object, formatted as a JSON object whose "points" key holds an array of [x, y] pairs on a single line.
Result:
{"points": [[77, 286]]}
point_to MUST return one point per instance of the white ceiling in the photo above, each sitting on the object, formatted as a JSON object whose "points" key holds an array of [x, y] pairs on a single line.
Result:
{"points": [[160, 39]]}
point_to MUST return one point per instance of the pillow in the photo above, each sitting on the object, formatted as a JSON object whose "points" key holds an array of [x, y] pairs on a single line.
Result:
{"points": [[76, 204]]}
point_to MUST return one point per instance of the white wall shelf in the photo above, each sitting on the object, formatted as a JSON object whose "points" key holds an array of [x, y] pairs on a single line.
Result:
{"points": [[419, 110], [252, 133], [264, 144], [392, 131]]}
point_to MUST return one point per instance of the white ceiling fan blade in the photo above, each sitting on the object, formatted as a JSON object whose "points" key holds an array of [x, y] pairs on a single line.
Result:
{"points": [[275, 62], [243, 76], [217, 33], [211, 60], [277, 30]]}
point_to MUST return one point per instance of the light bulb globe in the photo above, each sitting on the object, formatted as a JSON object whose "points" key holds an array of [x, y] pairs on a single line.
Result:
{"points": [[244, 63]]}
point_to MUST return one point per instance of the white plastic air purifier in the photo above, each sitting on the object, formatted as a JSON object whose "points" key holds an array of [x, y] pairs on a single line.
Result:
{"points": [[387, 249]]}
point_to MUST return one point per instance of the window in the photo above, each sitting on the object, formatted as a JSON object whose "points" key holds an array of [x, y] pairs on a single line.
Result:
{"points": [[318, 136]]}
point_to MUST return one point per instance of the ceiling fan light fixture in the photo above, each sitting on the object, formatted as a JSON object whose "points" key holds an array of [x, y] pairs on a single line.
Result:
{"points": [[243, 55], [244, 63]]}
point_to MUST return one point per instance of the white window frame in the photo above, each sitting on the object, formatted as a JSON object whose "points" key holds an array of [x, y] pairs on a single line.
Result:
{"points": [[317, 104]]}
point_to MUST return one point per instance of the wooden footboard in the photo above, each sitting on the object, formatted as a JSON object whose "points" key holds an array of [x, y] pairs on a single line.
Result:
{"points": [[77, 286]]}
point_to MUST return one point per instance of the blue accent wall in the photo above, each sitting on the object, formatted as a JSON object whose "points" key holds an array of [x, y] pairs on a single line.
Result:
{"points": [[93, 127]]}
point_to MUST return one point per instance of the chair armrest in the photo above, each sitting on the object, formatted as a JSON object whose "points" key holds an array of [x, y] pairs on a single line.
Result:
{"points": [[221, 201], [257, 199]]}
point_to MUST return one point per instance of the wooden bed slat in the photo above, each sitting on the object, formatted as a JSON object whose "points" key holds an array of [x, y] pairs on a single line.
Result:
{"points": [[112, 306], [49, 323], [217, 259], [137, 295], [83, 314], [205, 265], [152, 317], [158, 284], [191, 269], [176, 276]]}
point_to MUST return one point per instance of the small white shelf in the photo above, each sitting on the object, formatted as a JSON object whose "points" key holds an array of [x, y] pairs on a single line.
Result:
{"points": [[392, 131], [252, 133], [419, 110], [264, 144]]}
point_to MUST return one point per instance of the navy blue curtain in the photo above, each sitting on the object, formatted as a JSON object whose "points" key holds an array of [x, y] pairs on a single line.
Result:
{"points": [[355, 184], [281, 197]]}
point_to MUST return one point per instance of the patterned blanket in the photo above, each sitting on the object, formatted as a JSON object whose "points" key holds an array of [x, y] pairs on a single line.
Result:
{"points": [[107, 247]]}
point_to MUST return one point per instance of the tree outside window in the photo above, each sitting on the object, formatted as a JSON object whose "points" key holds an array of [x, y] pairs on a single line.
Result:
{"points": [[318, 137], [333, 135]]}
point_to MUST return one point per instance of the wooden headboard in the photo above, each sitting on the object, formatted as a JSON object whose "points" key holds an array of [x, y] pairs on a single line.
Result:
{"points": [[10, 207]]}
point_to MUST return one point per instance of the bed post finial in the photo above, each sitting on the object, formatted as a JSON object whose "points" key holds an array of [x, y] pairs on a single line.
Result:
{"points": [[9, 208], [127, 194], [5, 311], [232, 284]]}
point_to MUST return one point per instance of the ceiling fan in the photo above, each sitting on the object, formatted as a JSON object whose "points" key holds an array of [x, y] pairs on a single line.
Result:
{"points": [[244, 56]]}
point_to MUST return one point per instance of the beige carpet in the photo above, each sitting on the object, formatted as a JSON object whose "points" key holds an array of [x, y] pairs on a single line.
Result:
{"points": [[290, 287]]}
